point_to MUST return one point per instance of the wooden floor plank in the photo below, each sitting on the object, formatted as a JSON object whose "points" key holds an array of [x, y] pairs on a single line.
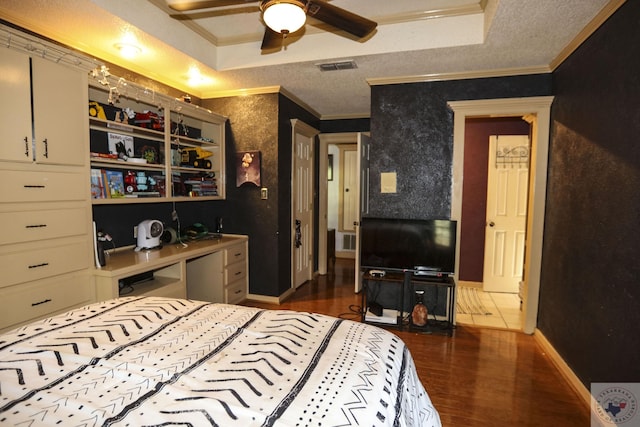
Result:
{"points": [[478, 377]]}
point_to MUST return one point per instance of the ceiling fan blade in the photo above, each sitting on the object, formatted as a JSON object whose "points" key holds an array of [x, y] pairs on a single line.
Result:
{"points": [[340, 18], [271, 40], [185, 6]]}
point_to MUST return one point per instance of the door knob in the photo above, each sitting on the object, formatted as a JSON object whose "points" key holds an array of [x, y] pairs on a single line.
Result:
{"points": [[491, 224]]}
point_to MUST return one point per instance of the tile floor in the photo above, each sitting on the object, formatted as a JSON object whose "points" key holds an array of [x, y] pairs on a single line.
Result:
{"points": [[503, 311]]}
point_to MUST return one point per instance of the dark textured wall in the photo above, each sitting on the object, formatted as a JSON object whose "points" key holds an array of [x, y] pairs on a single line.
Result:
{"points": [[474, 189], [590, 293], [412, 135], [253, 125]]}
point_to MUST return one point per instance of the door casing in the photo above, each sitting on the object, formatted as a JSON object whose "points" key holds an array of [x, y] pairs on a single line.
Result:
{"points": [[539, 110]]}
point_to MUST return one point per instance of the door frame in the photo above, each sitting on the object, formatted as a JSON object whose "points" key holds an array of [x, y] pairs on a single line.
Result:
{"points": [[540, 109], [298, 127], [327, 139]]}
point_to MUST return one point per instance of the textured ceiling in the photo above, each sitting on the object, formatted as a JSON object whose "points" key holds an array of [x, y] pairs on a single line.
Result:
{"points": [[415, 40]]}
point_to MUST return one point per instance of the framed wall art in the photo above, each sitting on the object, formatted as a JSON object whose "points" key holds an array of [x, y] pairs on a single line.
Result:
{"points": [[248, 168]]}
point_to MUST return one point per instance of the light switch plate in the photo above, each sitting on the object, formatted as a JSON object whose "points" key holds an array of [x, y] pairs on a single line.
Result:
{"points": [[388, 182], [264, 193]]}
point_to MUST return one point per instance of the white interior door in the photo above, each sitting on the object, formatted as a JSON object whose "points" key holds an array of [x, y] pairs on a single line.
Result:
{"points": [[507, 188], [302, 203], [363, 198], [349, 184]]}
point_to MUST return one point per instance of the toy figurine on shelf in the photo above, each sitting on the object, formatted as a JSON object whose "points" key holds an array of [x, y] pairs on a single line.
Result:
{"points": [[130, 182], [122, 151]]}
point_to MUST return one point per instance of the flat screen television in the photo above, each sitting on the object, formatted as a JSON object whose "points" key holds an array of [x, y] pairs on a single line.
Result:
{"points": [[427, 245]]}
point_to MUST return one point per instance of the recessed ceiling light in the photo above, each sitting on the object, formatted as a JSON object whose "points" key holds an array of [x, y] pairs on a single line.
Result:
{"points": [[127, 50], [195, 78]]}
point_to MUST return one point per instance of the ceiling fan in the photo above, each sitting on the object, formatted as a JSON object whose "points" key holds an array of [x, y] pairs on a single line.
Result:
{"points": [[284, 17]]}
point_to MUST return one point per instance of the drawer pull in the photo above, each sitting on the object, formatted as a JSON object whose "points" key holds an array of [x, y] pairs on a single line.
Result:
{"points": [[46, 148], [35, 226], [237, 254], [239, 291], [33, 186], [26, 146], [40, 302], [44, 264], [238, 273]]}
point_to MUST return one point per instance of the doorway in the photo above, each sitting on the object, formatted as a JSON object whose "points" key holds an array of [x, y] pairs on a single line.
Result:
{"points": [[329, 190], [537, 109]]}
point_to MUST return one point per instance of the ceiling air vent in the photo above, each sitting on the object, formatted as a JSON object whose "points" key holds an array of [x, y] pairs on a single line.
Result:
{"points": [[336, 66]]}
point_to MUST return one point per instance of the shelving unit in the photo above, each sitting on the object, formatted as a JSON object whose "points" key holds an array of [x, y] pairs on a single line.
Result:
{"points": [[406, 281], [147, 147]]}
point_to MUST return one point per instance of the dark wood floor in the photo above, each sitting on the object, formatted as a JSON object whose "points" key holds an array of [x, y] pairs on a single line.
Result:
{"points": [[478, 377]]}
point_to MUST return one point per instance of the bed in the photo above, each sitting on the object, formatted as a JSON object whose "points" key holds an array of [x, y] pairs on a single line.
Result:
{"points": [[150, 361]]}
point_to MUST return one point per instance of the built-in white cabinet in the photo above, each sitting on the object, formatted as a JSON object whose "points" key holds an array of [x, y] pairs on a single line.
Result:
{"points": [[55, 94], [45, 210]]}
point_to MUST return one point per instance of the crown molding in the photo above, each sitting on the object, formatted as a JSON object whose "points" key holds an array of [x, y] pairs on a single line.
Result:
{"points": [[261, 91], [242, 92], [604, 14], [346, 116], [458, 76]]}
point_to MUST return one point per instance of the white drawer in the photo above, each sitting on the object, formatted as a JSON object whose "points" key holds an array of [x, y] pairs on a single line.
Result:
{"points": [[29, 186], [30, 226], [25, 266], [235, 254], [234, 272], [30, 301], [235, 292]]}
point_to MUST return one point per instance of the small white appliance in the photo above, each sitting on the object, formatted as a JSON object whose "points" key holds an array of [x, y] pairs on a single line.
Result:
{"points": [[149, 234]]}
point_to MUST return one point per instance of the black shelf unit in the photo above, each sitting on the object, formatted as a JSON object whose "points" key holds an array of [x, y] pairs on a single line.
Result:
{"points": [[407, 280]]}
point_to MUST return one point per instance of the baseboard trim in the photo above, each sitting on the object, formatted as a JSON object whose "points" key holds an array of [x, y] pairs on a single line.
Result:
{"points": [[565, 370], [271, 300]]}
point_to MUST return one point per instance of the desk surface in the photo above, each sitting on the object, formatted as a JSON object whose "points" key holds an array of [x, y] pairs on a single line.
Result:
{"points": [[125, 261]]}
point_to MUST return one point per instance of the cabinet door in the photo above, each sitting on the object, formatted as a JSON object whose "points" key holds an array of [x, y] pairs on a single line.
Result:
{"points": [[59, 114], [15, 108]]}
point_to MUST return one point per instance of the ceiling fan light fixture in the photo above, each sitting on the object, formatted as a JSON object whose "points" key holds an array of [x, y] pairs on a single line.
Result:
{"points": [[283, 16]]}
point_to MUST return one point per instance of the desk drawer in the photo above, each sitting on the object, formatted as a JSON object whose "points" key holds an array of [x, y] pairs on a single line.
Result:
{"points": [[28, 265], [30, 226], [236, 292], [29, 186], [234, 272], [235, 254], [22, 303]]}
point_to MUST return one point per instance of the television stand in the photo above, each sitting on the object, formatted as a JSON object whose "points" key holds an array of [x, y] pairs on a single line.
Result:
{"points": [[406, 280]]}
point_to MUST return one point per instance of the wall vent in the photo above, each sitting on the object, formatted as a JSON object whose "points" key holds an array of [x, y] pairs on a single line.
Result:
{"points": [[349, 242], [337, 66]]}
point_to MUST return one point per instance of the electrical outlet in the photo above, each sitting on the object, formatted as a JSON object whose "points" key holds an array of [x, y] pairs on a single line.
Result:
{"points": [[135, 232]]}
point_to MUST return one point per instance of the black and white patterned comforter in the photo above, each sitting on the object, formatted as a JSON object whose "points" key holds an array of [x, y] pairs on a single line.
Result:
{"points": [[156, 361]]}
